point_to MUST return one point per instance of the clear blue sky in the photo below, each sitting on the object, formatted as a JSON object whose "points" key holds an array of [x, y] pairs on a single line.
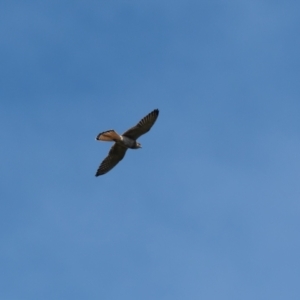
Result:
{"points": [[209, 208]]}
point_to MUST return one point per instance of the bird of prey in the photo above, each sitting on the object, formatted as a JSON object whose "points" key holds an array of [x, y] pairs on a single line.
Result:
{"points": [[122, 142]]}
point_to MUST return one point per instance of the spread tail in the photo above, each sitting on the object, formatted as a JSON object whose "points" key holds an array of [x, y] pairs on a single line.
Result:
{"points": [[108, 136]]}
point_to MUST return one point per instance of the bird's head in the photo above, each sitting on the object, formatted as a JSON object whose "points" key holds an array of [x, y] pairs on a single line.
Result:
{"points": [[138, 145]]}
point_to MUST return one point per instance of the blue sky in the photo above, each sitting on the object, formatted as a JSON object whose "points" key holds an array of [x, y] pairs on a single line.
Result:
{"points": [[209, 208]]}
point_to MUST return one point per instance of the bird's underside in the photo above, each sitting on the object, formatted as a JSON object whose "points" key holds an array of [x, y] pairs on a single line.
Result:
{"points": [[122, 142]]}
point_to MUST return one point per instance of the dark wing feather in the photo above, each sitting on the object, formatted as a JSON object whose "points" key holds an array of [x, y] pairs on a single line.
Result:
{"points": [[116, 154], [143, 126]]}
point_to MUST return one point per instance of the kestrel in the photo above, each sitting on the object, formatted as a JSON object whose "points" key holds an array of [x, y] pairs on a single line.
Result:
{"points": [[122, 142]]}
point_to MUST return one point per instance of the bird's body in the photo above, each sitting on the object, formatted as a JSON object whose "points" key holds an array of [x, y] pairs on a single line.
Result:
{"points": [[112, 136], [125, 141], [129, 143]]}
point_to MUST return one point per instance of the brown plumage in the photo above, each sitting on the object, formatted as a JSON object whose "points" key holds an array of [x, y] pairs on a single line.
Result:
{"points": [[108, 136], [122, 142]]}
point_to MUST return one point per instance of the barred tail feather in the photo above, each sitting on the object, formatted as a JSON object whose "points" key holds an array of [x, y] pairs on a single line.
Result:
{"points": [[108, 136]]}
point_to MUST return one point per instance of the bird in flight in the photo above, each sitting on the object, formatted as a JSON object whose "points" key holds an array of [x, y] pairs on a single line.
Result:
{"points": [[122, 142]]}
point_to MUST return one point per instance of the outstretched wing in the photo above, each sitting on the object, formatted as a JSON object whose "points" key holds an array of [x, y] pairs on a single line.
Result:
{"points": [[116, 153], [143, 126]]}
